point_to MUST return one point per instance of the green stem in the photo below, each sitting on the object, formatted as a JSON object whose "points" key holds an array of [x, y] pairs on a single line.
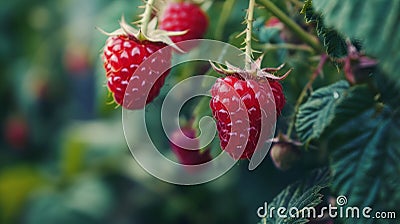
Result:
{"points": [[227, 9], [268, 46], [146, 16], [303, 93], [249, 29], [293, 26]]}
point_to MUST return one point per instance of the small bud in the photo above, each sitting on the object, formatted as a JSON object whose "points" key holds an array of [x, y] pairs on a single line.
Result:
{"points": [[358, 67], [285, 152]]}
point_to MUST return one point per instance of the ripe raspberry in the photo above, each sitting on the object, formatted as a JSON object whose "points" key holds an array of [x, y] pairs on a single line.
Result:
{"points": [[253, 94], [16, 132], [122, 56], [183, 148], [184, 16], [279, 97]]}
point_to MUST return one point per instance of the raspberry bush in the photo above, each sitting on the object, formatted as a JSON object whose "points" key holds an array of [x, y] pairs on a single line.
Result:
{"points": [[318, 122]]}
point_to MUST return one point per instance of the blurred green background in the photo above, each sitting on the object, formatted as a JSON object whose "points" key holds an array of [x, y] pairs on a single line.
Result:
{"points": [[63, 157]]}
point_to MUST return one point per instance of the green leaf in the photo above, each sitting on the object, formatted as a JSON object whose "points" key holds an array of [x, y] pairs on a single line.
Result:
{"points": [[317, 112], [309, 13], [333, 41], [266, 34], [301, 194], [375, 22], [391, 91], [365, 154]]}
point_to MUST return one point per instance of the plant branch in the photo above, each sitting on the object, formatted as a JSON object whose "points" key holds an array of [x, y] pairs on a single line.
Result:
{"points": [[303, 93], [146, 16], [249, 29], [269, 46], [293, 26]]}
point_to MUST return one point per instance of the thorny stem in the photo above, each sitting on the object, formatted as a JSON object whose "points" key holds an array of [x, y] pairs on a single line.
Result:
{"points": [[249, 29], [146, 16], [293, 26], [303, 93]]}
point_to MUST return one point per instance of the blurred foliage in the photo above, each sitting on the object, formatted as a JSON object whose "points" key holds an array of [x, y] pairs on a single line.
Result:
{"points": [[15, 185]]}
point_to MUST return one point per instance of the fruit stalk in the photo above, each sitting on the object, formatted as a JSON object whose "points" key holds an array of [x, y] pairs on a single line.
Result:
{"points": [[249, 29], [273, 47], [293, 26], [146, 16], [303, 93]]}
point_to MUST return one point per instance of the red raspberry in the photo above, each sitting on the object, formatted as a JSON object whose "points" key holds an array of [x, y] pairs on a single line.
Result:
{"points": [[122, 56], [253, 94], [273, 21], [185, 153], [76, 60], [184, 16], [16, 132], [279, 97]]}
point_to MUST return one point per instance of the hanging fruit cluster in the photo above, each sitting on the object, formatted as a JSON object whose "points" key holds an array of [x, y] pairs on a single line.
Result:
{"points": [[127, 47]]}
